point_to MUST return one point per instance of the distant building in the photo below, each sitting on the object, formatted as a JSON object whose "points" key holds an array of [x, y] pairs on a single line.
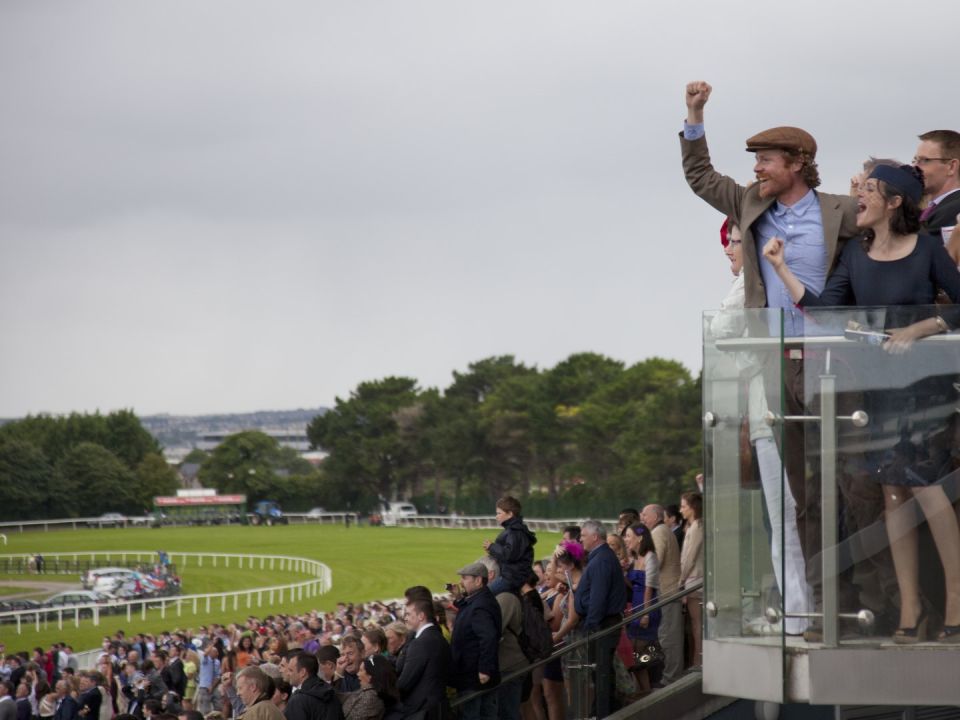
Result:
{"points": [[287, 437]]}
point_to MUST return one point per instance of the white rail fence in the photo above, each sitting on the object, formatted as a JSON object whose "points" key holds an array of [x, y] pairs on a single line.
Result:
{"points": [[143, 521], [178, 605]]}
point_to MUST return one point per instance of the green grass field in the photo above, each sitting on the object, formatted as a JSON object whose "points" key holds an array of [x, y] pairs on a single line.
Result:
{"points": [[367, 564]]}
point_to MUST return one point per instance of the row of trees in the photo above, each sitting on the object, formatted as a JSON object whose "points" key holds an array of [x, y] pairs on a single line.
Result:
{"points": [[80, 465], [585, 436]]}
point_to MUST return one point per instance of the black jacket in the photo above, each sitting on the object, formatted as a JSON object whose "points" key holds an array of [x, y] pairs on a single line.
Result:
{"points": [[174, 676], [513, 551], [90, 699], [476, 641], [67, 709], [943, 215], [315, 700], [423, 680]]}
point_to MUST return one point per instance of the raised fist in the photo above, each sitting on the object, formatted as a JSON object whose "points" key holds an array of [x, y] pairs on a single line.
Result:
{"points": [[773, 251], [698, 92]]}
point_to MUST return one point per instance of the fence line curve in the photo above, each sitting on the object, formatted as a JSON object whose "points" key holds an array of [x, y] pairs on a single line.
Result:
{"points": [[320, 583]]}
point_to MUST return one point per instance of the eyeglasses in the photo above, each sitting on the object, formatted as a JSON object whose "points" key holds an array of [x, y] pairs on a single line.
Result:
{"points": [[920, 160]]}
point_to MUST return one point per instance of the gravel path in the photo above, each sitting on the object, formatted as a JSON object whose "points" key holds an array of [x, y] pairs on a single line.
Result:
{"points": [[38, 587]]}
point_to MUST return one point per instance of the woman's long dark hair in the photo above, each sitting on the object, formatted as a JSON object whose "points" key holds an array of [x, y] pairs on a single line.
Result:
{"points": [[383, 678], [646, 540]]}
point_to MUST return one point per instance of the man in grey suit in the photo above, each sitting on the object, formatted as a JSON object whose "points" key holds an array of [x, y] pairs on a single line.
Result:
{"points": [[8, 706], [783, 203]]}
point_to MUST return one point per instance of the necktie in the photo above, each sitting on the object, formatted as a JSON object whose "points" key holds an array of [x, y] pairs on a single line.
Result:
{"points": [[927, 211]]}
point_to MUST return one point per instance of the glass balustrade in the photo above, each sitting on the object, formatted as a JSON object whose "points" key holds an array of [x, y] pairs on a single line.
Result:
{"points": [[831, 503]]}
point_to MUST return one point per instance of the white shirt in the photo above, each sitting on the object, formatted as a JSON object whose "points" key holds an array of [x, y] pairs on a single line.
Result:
{"points": [[422, 628]]}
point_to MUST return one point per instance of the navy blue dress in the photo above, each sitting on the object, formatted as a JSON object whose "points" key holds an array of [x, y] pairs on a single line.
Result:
{"points": [[903, 394]]}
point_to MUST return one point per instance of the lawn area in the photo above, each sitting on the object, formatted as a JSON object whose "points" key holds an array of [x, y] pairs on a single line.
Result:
{"points": [[367, 563]]}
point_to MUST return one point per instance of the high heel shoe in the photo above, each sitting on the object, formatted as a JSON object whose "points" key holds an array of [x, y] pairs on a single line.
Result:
{"points": [[949, 634], [911, 636]]}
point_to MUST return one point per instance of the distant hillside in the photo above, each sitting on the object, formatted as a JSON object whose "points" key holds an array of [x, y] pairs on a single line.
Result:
{"points": [[173, 431]]}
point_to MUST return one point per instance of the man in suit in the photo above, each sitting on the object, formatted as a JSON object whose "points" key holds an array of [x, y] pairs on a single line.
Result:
{"points": [[423, 678], [938, 156], [90, 698], [783, 203], [171, 669], [8, 706], [67, 708]]}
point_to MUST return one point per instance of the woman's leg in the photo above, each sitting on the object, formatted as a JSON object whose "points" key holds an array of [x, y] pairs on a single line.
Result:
{"points": [[904, 547], [946, 534], [553, 694], [696, 625]]}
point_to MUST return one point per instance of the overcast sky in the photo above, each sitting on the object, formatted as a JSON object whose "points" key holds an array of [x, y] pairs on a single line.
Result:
{"points": [[231, 206]]}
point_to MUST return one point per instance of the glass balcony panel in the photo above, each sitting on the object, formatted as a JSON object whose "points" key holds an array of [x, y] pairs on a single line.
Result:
{"points": [[744, 481]]}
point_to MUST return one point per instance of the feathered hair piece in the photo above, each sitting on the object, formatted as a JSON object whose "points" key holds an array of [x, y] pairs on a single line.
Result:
{"points": [[573, 549]]}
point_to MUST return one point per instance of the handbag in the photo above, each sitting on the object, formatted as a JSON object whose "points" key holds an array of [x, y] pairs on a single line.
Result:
{"points": [[647, 656]]}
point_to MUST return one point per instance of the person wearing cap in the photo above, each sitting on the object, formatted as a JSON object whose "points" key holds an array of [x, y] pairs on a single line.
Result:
{"points": [[475, 643], [784, 203], [510, 656], [897, 267]]}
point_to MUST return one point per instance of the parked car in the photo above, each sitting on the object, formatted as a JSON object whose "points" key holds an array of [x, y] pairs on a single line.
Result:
{"points": [[19, 605], [315, 512], [71, 598], [110, 519]]}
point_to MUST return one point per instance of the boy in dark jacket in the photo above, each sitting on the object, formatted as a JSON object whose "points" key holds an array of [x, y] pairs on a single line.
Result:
{"points": [[513, 548]]}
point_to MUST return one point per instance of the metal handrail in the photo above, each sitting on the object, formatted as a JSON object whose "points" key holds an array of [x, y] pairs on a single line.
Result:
{"points": [[627, 619]]}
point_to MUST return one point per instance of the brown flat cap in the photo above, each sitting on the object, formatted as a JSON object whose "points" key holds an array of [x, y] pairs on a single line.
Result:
{"points": [[783, 138]]}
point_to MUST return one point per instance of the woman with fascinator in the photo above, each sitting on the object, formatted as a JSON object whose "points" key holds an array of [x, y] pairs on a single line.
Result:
{"points": [[895, 266], [568, 560]]}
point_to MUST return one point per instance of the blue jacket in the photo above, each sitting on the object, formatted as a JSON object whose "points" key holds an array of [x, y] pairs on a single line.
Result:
{"points": [[602, 591], [476, 641], [513, 551]]}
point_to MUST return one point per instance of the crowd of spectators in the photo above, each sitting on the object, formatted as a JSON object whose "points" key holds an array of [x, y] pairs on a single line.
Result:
{"points": [[408, 657]]}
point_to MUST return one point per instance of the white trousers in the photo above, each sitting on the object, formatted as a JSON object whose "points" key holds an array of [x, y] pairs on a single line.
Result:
{"points": [[788, 562]]}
